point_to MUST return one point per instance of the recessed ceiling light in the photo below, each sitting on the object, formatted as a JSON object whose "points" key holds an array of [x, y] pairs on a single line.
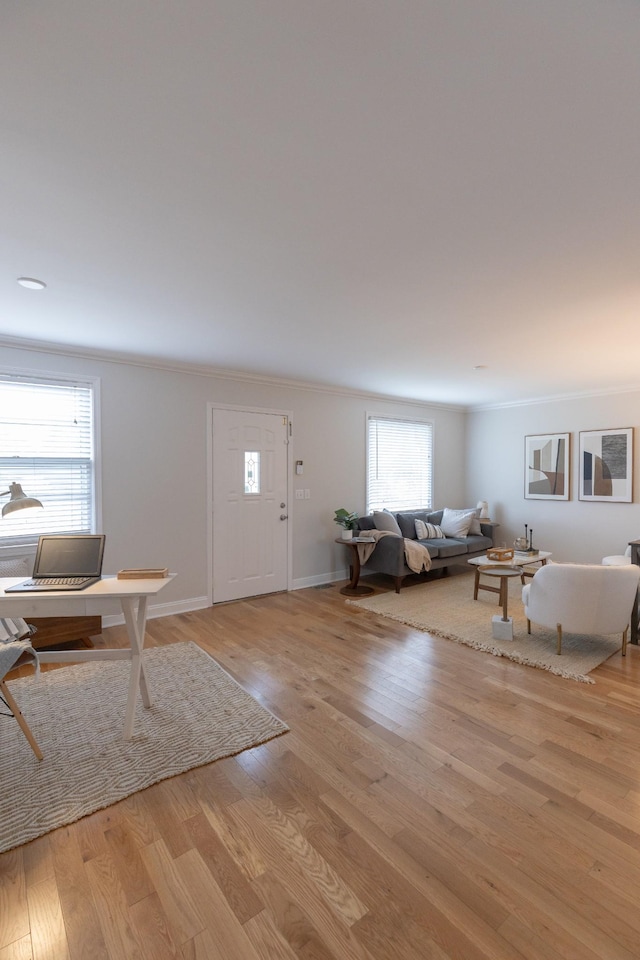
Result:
{"points": [[31, 283]]}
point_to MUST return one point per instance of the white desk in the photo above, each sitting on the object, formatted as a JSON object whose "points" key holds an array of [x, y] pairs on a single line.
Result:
{"points": [[108, 596]]}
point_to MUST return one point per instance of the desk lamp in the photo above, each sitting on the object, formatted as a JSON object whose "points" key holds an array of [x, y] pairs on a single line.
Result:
{"points": [[19, 500]]}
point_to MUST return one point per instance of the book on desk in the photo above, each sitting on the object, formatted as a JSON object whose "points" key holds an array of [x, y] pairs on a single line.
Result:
{"points": [[143, 573]]}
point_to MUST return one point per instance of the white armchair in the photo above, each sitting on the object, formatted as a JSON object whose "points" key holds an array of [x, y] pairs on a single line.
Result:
{"points": [[582, 598], [619, 559]]}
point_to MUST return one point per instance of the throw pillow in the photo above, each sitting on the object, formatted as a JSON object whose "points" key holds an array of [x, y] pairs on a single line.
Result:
{"points": [[386, 521], [18, 567], [456, 523], [428, 531], [475, 527]]}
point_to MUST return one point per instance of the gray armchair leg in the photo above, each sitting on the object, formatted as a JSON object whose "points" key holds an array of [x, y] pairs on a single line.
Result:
{"points": [[624, 641], [559, 629]]}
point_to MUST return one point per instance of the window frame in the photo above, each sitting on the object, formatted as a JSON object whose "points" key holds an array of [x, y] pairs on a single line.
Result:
{"points": [[392, 506], [25, 545]]}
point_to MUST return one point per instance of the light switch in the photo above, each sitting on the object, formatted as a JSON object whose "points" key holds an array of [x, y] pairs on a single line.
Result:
{"points": [[300, 494], [307, 494]]}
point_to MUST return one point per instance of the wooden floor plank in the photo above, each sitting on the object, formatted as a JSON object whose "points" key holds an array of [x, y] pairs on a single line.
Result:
{"points": [[48, 936], [430, 802], [112, 909], [18, 950], [14, 911], [80, 916]]}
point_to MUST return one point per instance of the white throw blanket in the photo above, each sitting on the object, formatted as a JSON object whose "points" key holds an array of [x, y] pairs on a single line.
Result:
{"points": [[12, 648], [416, 555]]}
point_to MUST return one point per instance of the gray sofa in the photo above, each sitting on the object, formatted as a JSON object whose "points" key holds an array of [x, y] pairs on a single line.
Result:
{"points": [[389, 558]]}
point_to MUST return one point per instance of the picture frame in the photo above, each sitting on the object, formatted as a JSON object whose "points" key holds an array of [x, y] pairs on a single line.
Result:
{"points": [[546, 466], [606, 465]]}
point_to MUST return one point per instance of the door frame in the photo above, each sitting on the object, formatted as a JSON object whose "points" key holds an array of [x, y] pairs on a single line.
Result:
{"points": [[243, 408]]}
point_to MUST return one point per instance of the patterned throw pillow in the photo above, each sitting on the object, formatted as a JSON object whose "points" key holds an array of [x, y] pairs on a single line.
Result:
{"points": [[428, 531]]}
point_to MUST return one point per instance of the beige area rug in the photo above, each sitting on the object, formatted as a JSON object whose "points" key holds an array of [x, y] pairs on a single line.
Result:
{"points": [[446, 608], [198, 714]]}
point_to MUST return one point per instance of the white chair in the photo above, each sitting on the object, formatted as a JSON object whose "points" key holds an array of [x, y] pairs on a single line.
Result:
{"points": [[582, 598], [618, 560]]}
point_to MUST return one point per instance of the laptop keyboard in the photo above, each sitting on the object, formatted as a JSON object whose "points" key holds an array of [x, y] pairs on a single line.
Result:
{"points": [[57, 581]]}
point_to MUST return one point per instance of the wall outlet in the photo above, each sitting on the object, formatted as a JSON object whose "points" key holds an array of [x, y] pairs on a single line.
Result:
{"points": [[307, 494], [300, 494]]}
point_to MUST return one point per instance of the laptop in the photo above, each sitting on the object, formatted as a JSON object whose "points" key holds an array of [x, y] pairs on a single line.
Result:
{"points": [[65, 562]]}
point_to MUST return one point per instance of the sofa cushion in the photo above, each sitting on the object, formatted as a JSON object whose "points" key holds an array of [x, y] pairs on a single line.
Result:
{"points": [[450, 547], [407, 522], [477, 543], [386, 521], [428, 531], [457, 523], [432, 547], [365, 523]]}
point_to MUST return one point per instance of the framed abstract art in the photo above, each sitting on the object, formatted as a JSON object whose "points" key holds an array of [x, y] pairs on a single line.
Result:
{"points": [[546, 466], [606, 465]]}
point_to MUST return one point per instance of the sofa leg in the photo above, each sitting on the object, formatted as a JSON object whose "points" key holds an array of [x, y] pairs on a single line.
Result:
{"points": [[445, 572], [559, 629], [398, 583], [624, 641], [528, 626]]}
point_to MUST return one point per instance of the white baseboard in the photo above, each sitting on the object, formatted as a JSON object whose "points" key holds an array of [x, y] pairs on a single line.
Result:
{"points": [[199, 603], [320, 580]]}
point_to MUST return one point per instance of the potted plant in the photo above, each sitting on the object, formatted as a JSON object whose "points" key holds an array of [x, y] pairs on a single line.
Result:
{"points": [[347, 521]]}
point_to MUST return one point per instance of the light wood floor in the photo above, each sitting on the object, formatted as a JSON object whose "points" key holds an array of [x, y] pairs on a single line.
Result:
{"points": [[430, 801]]}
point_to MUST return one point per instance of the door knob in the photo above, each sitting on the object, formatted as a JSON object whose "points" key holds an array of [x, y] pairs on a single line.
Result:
{"points": [[283, 516]]}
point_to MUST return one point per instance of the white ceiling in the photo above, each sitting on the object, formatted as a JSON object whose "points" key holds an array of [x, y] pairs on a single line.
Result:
{"points": [[378, 194]]}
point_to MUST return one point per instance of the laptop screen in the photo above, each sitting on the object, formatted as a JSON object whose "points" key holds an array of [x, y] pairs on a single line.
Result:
{"points": [[69, 555]]}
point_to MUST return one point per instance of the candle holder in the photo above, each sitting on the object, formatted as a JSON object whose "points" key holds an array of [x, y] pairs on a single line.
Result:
{"points": [[525, 544]]}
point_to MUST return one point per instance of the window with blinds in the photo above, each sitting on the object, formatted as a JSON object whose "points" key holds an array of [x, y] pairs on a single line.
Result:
{"points": [[47, 446], [399, 464]]}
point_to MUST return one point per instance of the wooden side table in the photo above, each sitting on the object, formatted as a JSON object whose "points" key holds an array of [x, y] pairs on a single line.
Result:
{"points": [[353, 589]]}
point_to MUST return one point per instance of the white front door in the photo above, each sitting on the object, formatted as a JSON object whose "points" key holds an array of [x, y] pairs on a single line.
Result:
{"points": [[250, 503]]}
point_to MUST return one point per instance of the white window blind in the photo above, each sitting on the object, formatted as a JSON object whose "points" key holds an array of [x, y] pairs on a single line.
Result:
{"points": [[399, 464], [46, 445]]}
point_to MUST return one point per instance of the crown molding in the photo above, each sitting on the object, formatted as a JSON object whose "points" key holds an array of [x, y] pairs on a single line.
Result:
{"points": [[556, 398], [220, 373]]}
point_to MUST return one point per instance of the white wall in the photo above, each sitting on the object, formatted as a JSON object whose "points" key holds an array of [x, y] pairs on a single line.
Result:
{"points": [[573, 530], [154, 454]]}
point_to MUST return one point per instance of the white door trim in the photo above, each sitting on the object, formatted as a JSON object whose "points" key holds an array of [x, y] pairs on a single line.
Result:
{"points": [[211, 407]]}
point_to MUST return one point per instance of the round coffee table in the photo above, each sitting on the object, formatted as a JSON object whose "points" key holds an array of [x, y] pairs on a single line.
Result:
{"points": [[502, 626], [528, 564], [504, 573]]}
